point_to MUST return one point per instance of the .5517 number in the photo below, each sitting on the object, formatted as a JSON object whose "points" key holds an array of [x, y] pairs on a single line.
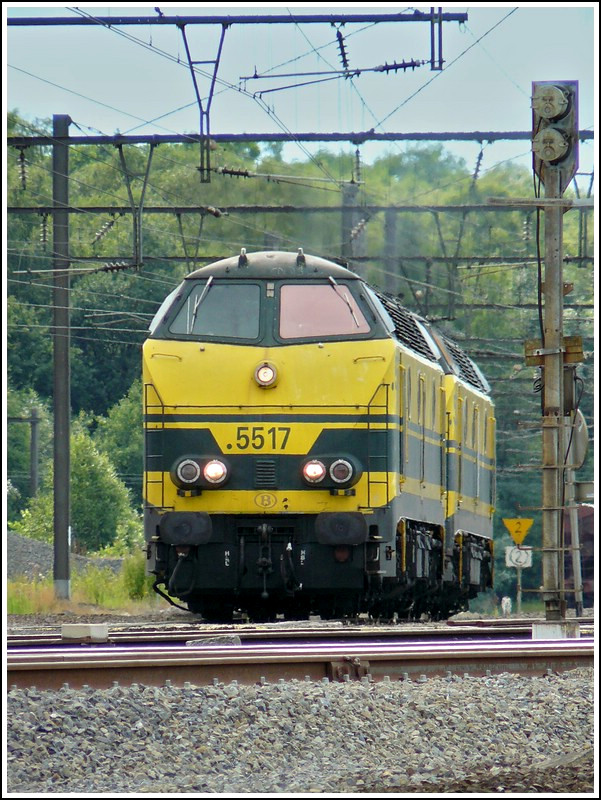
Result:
{"points": [[258, 437]]}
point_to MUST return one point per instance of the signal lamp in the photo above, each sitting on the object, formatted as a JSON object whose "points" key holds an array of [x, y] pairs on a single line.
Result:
{"points": [[215, 471], [266, 375], [555, 132], [341, 471], [188, 471], [314, 471]]}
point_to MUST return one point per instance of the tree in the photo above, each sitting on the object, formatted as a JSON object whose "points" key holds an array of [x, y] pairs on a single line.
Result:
{"points": [[20, 404], [120, 436], [101, 513]]}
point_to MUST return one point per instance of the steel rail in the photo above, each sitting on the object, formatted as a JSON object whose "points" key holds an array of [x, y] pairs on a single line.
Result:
{"points": [[191, 632], [103, 666]]}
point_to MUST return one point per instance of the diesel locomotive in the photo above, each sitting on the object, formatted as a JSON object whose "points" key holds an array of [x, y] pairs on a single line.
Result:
{"points": [[312, 447]]}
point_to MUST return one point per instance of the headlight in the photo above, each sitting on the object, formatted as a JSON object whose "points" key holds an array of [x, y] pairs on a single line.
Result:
{"points": [[314, 471], [215, 471], [341, 471], [188, 471], [266, 375]]}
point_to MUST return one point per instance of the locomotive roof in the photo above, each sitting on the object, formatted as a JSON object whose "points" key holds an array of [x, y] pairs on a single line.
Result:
{"points": [[273, 264]]}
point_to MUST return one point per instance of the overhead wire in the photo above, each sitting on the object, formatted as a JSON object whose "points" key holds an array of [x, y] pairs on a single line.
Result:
{"points": [[428, 191], [232, 217], [450, 64], [271, 112], [263, 230]]}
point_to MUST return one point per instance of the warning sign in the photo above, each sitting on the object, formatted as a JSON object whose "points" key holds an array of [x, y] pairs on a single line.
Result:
{"points": [[518, 528]]}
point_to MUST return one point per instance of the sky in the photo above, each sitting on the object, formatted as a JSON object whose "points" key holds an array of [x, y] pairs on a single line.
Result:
{"points": [[136, 79]]}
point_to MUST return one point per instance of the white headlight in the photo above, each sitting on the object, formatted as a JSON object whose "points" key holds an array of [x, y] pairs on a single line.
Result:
{"points": [[266, 375], [314, 471], [215, 471]]}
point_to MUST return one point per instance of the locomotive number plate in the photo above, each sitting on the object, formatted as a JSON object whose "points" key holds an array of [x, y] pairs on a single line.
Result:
{"points": [[260, 437]]}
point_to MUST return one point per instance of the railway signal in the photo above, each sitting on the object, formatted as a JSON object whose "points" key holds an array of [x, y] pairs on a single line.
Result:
{"points": [[555, 161], [555, 129]]}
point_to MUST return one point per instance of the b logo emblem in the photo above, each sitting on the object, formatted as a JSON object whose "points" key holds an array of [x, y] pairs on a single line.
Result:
{"points": [[265, 500]]}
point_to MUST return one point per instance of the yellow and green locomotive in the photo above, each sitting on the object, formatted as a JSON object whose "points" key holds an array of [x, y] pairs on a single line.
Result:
{"points": [[311, 446]]}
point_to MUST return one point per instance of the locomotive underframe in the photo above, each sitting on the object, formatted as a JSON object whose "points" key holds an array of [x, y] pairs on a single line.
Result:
{"points": [[267, 565]]}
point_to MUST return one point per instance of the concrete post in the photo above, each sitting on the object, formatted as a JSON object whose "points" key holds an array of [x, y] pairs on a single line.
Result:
{"points": [[553, 402]]}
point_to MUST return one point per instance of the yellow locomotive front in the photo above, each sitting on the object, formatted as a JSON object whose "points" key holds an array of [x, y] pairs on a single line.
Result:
{"points": [[272, 432]]}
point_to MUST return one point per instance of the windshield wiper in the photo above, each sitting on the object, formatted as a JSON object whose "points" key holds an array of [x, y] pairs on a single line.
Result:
{"points": [[197, 303], [336, 288]]}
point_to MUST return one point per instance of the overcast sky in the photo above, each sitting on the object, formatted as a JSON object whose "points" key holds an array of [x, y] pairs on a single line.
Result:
{"points": [[129, 79]]}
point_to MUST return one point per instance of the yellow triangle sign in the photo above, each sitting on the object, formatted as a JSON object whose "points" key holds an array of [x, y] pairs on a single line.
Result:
{"points": [[518, 528]]}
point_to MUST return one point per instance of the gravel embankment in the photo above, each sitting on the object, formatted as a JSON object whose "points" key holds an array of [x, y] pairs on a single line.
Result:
{"points": [[30, 558], [505, 733]]}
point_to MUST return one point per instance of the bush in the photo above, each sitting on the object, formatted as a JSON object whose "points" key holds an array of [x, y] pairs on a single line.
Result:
{"points": [[100, 586], [101, 512], [137, 584]]}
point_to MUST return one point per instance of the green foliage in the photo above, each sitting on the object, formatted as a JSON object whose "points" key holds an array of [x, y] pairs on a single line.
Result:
{"points": [[20, 404], [28, 597], [120, 436], [137, 584], [100, 500], [101, 513], [29, 366], [94, 585], [100, 585], [37, 520]]}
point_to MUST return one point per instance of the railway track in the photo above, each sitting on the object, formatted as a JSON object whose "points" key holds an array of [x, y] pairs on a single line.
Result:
{"points": [[253, 655]]}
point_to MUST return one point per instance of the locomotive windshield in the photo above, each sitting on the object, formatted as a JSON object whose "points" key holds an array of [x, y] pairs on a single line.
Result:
{"points": [[268, 312], [317, 310], [224, 311]]}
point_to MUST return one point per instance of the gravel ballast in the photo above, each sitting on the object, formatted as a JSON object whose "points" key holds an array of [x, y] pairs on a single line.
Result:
{"points": [[32, 559], [505, 733]]}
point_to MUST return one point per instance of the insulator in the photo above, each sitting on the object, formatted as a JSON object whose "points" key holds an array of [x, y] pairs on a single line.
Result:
{"points": [[527, 229], [115, 266], [343, 57], [23, 169], [44, 232], [357, 166], [238, 173], [104, 230], [478, 164], [359, 227]]}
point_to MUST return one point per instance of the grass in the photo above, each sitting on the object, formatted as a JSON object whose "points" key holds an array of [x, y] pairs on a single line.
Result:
{"points": [[129, 590]]}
